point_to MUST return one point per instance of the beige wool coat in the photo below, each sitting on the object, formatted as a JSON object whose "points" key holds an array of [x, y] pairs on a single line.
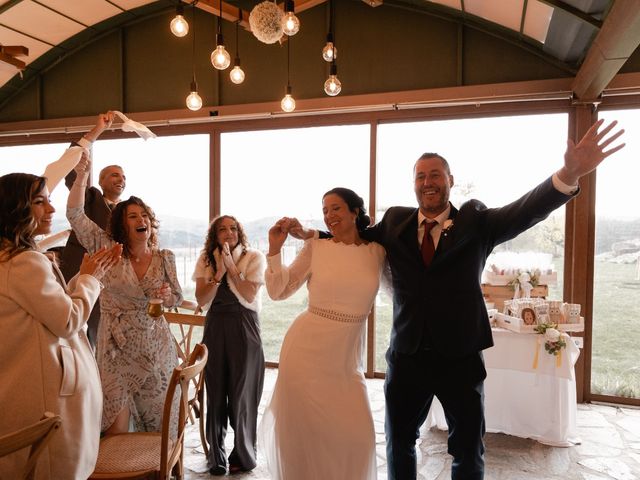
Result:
{"points": [[46, 364]]}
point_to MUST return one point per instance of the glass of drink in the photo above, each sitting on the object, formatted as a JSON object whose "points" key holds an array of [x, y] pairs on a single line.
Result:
{"points": [[155, 308]]}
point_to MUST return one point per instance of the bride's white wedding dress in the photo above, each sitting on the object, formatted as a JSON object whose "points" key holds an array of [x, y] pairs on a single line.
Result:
{"points": [[318, 424]]}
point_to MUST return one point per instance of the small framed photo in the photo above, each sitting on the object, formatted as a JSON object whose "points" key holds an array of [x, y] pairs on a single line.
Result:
{"points": [[528, 316]]}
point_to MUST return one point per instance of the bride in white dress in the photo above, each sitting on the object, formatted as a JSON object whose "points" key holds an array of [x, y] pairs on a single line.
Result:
{"points": [[318, 424]]}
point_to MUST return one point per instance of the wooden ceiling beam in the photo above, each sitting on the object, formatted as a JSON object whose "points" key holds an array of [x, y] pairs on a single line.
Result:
{"points": [[9, 52], [616, 41]]}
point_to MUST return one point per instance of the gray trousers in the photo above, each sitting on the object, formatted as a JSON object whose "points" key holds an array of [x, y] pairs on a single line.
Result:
{"points": [[234, 377]]}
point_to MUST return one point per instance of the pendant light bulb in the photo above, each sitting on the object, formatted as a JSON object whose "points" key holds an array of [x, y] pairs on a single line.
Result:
{"points": [[220, 58], [179, 26], [329, 52], [332, 85], [290, 23], [237, 74], [194, 101], [288, 103]]}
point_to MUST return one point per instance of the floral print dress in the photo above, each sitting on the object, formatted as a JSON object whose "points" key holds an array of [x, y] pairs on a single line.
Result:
{"points": [[136, 353]]}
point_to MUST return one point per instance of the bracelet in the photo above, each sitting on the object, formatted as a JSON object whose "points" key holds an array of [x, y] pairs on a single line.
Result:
{"points": [[76, 184]]}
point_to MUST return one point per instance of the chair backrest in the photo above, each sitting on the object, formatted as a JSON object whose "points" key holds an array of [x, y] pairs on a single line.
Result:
{"points": [[190, 371], [185, 323], [182, 327], [36, 435]]}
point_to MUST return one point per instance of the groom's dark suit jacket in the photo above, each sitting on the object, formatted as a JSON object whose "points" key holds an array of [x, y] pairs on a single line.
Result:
{"points": [[441, 306]]}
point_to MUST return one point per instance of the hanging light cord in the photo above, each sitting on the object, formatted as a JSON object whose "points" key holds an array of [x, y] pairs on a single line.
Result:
{"points": [[237, 25], [288, 54], [193, 47], [331, 20]]}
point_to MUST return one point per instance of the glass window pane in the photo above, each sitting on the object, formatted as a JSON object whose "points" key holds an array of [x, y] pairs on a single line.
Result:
{"points": [[495, 160], [274, 173], [616, 289], [34, 159]]}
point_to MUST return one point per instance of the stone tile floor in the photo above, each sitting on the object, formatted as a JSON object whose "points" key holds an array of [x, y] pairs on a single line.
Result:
{"points": [[610, 448]]}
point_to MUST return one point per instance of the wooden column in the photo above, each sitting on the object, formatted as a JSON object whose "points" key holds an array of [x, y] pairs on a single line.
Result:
{"points": [[579, 250]]}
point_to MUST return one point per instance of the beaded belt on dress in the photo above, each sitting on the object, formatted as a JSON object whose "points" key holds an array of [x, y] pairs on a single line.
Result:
{"points": [[338, 316]]}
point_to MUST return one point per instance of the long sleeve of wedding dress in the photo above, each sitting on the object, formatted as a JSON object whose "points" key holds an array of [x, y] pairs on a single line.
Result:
{"points": [[283, 281]]}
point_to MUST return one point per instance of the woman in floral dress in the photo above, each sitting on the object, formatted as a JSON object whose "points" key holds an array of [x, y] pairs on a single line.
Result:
{"points": [[136, 353]]}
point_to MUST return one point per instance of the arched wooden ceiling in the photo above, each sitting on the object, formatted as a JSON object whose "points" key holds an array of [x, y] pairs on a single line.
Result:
{"points": [[590, 38]]}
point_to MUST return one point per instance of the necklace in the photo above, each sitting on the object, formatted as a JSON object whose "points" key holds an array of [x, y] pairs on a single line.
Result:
{"points": [[135, 258]]}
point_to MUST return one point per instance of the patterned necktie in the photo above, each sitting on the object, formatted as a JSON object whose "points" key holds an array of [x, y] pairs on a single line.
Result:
{"points": [[428, 248]]}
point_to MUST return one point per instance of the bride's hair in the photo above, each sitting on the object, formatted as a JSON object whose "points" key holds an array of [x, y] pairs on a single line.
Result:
{"points": [[355, 204]]}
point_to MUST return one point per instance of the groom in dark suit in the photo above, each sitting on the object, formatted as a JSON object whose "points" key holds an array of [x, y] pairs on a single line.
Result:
{"points": [[436, 254], [440, 325]]}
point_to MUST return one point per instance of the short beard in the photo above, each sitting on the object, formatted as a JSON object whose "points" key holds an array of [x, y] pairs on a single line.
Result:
{"points": [[440, 207]]}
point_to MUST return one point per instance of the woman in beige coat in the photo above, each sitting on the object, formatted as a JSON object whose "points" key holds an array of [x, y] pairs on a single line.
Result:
{"points": [[46, 361]]}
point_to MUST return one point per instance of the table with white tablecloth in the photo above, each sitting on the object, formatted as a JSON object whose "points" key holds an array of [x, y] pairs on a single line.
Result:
{"points": [[528, 392]]}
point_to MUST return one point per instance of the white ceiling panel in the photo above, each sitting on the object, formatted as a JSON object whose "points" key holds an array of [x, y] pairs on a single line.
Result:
{"points": [[129, 4], [537, 19], [88, 12], [40, 22], [36, 48], [505, 13], [6, 73]]}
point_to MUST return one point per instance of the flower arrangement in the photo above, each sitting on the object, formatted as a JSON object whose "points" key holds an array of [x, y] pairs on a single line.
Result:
{"points": [[529, 278], [265, 21], [553, 340], [446, 226]]}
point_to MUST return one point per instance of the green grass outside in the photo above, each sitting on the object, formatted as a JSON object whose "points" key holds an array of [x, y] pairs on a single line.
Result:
{"points": [[615, 367]]}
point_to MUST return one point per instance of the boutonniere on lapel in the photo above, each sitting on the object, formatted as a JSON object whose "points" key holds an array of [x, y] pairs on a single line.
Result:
{"points": [[446, 226]]}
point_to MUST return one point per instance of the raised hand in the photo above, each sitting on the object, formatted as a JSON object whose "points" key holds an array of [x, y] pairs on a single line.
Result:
{"points": [[277, 235], [103, 122], [296, 230], [583, 158], [101, 261], [84, 165], [227, 259]]}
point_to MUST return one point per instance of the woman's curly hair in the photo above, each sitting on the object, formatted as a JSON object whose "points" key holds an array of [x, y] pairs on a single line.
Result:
{"points": [[16, 218], [211, 242], [117, 226]]}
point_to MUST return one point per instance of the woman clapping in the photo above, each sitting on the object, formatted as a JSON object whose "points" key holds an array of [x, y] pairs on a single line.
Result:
{"points": [[47, 362]]}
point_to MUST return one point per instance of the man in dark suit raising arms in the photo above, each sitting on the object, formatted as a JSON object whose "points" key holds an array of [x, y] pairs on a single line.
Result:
{"points": [[97, 206], [440, 322]]}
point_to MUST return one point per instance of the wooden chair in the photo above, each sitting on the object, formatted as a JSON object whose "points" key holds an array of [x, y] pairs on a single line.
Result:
{"points": [[37, 435], [186, 323], [155, 455]]}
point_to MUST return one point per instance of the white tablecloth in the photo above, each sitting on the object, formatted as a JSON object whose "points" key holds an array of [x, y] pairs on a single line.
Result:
{"points": [[520, 400]]}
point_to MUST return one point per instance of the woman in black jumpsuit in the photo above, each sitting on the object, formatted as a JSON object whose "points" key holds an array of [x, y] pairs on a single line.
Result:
{"points": [[229, 276]]}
